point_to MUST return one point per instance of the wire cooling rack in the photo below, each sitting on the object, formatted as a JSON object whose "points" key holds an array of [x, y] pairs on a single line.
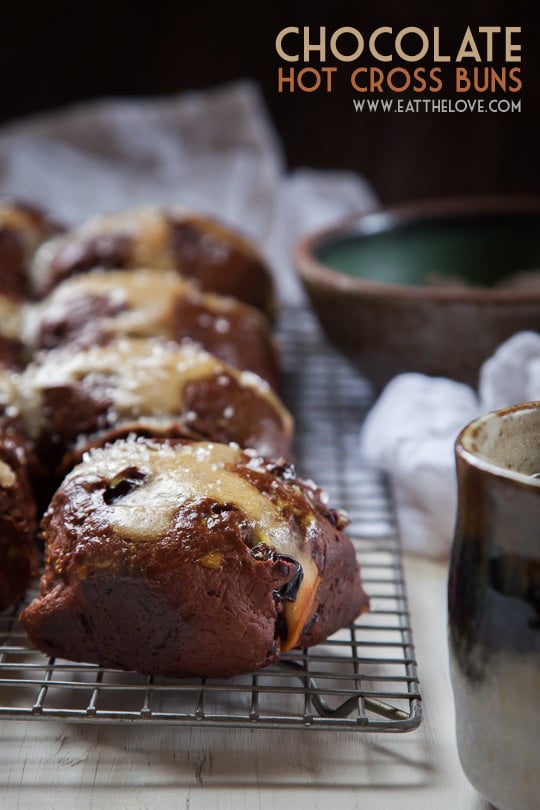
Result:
{"points": [[362, 678]]}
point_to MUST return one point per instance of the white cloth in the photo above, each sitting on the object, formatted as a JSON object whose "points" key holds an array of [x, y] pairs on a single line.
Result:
{"points": [[214, 151], [512, 375], [411, 430]]}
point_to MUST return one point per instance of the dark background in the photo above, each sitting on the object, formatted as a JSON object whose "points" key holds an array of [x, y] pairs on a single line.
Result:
{"points": [[59, 52]]}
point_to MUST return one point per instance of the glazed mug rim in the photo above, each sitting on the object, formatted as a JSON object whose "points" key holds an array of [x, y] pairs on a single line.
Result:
{"points": [[480, 461]]}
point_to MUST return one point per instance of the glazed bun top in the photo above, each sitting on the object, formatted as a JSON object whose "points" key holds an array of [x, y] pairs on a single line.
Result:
{"points": [[98, 306], [148, 482], [215, 257], [150, 384]]}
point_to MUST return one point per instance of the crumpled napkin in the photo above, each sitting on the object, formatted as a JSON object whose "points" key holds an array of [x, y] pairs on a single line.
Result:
{"points": [[214, 151], [411, 430]]}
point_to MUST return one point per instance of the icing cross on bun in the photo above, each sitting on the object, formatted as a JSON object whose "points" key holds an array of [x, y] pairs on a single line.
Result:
{"points": [[215, 257], [11, 346], [73, 399], [98, 306], [190, 559]]}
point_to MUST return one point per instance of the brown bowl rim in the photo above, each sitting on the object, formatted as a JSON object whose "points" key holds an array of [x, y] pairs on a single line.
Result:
{"points": [[311, 270]]}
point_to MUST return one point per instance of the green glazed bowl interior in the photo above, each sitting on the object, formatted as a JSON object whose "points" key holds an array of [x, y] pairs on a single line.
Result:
{"points": [[433, 287], [479, 250]]}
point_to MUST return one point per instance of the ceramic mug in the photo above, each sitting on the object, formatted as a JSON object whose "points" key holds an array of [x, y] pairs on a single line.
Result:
{"points": [[494, 606]]}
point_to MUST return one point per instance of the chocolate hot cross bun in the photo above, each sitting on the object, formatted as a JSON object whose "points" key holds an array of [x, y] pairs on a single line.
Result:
{"points": [[189, 559], [74, 399], [212, 255], [22, 229], [99, 306]]}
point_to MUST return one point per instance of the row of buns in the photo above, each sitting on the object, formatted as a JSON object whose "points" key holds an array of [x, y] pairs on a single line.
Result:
{"points": [[139, 412]]}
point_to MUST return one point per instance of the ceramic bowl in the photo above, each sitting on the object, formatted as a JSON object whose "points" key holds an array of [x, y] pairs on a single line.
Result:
{"points": [[494, 606], [432, 287]]}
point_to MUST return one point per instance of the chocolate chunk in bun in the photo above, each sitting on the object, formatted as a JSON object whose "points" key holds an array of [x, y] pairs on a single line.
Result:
{"points": [[77, 398], [18, 549], [99, 306], [216, 258], [23, 228], [189, 559]]}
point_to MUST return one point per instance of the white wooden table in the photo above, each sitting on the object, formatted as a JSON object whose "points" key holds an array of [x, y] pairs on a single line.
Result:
{"points": [[46, 765]]}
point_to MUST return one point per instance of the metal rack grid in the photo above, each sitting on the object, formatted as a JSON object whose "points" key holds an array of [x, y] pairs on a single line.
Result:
{"points": [[363, 678]]}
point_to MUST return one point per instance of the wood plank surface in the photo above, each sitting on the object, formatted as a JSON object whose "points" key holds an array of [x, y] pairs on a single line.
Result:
{"points": [[47, 765]]}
